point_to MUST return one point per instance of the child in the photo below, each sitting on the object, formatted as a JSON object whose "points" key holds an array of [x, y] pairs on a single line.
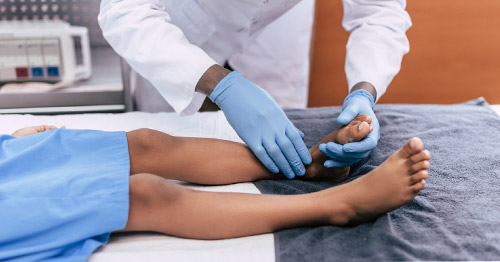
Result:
{"points": [[62, 192]]}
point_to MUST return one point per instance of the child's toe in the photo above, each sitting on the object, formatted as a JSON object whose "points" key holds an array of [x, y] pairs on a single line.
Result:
{"points": [[419, 176], [422, 165]]}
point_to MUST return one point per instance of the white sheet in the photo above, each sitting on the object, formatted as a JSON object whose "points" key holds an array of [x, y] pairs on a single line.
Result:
{"points": [[151, 246]]}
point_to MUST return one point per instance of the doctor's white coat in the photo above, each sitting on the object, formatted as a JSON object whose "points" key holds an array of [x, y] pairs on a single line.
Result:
{"points": [[172, 43]]}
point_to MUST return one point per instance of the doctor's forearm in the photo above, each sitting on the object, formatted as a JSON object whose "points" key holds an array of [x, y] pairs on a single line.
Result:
{"points": [[211, 78], [377, 42]]}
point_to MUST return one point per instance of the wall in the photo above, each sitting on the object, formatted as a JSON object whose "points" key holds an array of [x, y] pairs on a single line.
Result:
{"points": [[454, 56]]}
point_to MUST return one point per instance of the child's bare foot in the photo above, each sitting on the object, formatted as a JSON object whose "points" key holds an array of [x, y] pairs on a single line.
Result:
{"points": [[394, 183], [356, 130]]}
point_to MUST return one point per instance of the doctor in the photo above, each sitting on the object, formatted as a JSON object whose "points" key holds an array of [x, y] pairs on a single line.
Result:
{"points": [[178, 46]]}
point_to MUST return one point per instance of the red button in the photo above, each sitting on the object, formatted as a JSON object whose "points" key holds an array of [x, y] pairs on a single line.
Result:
{"points": [[22, 72]]}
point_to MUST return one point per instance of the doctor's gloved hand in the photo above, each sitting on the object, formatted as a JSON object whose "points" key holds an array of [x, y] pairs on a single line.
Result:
{"points": [[357, 102], [262, 124]]}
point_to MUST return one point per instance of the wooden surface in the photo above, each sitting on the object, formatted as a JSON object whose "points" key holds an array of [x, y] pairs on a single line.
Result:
{"points": [[454, 54]]}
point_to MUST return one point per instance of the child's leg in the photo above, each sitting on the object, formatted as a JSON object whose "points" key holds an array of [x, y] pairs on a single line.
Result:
{"points": [[212, 161], [159, 205]]}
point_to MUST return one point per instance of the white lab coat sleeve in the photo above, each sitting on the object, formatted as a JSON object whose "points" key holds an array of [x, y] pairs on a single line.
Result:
{"points": [[377, 42], [140, 31]]}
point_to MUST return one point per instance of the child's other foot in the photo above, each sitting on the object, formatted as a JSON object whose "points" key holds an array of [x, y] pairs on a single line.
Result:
{"points": [[392, 184], [356, 130]]}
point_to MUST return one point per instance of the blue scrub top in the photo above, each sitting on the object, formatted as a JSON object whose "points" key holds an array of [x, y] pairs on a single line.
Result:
{"points": [[61, 193]]}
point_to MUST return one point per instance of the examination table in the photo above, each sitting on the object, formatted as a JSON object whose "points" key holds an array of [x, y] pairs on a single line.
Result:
{"points": [[456, 216]]}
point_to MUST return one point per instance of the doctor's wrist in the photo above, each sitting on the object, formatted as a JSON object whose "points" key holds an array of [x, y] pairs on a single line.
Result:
{"points": [[211, 78], [365, 86]]}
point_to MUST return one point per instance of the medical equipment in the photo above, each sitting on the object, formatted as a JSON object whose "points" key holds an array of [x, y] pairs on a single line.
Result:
{"points": [[103, 91], [44, 51]]}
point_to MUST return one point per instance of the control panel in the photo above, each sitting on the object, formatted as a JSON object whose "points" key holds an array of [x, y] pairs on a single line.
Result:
{"points": [[44, 51], [35, 59]]}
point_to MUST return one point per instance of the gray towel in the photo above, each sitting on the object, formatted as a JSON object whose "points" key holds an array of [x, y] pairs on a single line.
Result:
{"points": [[456, 216]]}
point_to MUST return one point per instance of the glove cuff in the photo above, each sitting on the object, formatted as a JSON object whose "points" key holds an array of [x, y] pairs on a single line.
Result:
{"points": [[363, 93], [223, 85]]}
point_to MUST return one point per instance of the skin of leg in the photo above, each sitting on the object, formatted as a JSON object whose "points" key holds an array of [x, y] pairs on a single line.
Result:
{"points": [[159, 205], [212, 161], [196, 160]]}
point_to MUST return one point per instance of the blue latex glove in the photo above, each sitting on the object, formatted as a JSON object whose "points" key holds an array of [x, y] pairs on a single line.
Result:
{"points": [[262, 124], [357, 102]]}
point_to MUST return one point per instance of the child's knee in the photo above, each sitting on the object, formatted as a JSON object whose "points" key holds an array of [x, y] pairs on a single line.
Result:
{"points": [[143, 145], [145, 139], [142, 187], [150, 196], [141, 202], [149, 139], [150, 190]]}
